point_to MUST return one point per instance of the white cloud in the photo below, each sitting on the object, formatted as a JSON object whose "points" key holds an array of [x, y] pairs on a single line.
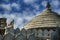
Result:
{"points": [[28, 18], [18, 21], [6, 6], [36, 6], [55, 3], [29, 1], [18, 17], [44, 3], [57, 10], [17, 6]]}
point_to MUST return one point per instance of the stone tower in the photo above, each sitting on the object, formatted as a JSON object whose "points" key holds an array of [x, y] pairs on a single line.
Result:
{"points": [[3, 24], [4, 27]]}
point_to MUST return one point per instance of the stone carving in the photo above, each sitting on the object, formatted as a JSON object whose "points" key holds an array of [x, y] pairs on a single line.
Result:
{"points": [[8, 36], [50, 32], [20, 37], [24, 32], [46, 32], [40, 33], [29, 32], [35, 32], [9, 30], [31, 37], [17, 31]]}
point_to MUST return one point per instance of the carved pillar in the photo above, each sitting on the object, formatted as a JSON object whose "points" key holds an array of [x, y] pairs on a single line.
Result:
{"points": [[40, 33]]}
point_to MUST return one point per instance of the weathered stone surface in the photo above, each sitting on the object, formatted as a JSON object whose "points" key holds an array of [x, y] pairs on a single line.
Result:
{"points": [[24, 32], [29, 32], [54, 36], [50, 32], [1, 37], [40, 33], [9, 30], [8, 36], [46, 32], [20, 37], [31, 37], [17, 31], [35, 32]]}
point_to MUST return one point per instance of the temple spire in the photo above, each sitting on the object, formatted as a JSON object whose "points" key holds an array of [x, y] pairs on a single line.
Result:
{"points": [[48, 5]]}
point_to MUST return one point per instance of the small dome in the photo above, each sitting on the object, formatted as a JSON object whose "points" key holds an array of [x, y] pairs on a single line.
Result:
{"points": [[47, 18]]}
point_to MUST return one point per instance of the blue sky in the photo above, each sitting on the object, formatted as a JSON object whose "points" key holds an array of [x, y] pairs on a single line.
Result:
{"points": [[24, 10]]}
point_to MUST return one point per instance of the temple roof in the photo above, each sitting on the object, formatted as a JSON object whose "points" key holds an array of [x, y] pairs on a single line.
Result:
{"points": [[46, 18]]}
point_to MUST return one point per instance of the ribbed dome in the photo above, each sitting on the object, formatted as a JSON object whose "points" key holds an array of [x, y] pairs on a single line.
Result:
{"points": [[47, 18]]}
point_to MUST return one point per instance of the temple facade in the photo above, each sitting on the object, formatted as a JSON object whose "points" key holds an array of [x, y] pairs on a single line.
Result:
{"points": [[44, 26]]}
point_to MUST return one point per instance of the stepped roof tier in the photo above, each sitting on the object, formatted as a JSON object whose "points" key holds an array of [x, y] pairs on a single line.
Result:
{"points": [[46, 18]]}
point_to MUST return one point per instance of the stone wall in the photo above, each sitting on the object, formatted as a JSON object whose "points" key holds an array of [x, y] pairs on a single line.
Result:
{"points": [[30, 34]]}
